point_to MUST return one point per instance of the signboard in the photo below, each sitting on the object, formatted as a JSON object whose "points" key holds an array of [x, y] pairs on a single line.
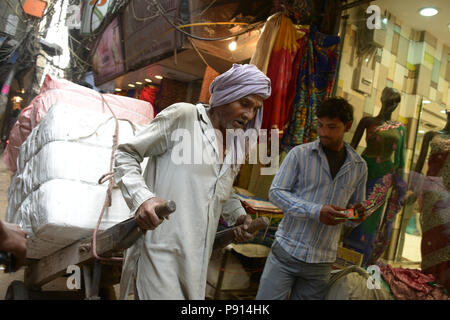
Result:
{"points": [[73, 17], [107, 61], [93, 13], [146, 33]]}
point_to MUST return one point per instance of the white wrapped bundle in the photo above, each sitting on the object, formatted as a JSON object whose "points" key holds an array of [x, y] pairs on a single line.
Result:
{"points": [[55, 194]]}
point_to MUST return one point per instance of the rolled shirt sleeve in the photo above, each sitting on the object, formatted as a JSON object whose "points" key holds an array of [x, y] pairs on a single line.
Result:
{"points": [[153, 140], [232, 209], [359, 195]]}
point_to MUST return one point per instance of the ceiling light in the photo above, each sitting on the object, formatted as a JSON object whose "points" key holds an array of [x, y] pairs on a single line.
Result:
{"points": [[138, 82], [148, 80], [131, 85], [426, 101], [444, 111], [448, 26], [421, 131], [428, 12], [17, 99], [22, 91], [118, 89], [385, 20], [232, 46], [158, 77]]}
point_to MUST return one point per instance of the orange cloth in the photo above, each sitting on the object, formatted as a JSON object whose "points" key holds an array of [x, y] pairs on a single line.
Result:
{"points": [[210, 75]]}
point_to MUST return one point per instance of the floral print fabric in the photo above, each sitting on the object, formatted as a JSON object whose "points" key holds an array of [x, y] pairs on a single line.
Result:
{"points": [[385, 192]]}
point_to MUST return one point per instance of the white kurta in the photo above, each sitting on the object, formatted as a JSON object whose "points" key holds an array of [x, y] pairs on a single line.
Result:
{"points": [[171, 261]]}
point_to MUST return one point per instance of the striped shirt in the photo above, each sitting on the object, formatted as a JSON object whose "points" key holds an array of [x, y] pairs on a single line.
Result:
{"points": [[301, 187]]}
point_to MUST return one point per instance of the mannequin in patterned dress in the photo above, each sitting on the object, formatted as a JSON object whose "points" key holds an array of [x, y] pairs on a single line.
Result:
{"points": [[434, 203], [385, 158]]}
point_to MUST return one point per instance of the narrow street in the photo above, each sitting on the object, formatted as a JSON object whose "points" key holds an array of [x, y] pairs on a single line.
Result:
{"points": [[304, 145]]}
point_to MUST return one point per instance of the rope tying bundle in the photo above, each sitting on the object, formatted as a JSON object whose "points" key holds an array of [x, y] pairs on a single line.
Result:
{"points": [[107, 177]]}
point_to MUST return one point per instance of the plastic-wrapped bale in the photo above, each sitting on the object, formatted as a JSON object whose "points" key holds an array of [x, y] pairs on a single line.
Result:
{"points": [[351, 283], [55, 195], [54, 91]]}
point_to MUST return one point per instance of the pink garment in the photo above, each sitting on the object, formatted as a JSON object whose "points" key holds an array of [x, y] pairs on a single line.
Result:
{"points": [[63, 91]]}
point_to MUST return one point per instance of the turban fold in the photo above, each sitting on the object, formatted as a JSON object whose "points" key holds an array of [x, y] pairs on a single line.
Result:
{"points": [[238, 82]]}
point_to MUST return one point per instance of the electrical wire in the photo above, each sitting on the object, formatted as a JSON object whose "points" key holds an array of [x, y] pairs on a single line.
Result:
{"points": [[136, 54], [22, 13], [49, 9], [198, 52], [206, 24], [81, 44], [207, 8], [163, 14], [80, 59]]}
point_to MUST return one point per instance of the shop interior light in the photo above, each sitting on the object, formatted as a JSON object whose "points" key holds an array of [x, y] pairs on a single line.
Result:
{"points": [[138, 82], [22, 91], [148, 80], [17, 99], [385, 20], [421, 131], [428, 12], [233, 45], [448, 26], [158, 77], [426, 101], [118, 89], [444, 111], [131, 85]]}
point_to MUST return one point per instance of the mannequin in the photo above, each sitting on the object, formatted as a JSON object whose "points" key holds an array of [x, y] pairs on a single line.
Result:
{"points": [[434, 203], [427, 138], [385, 189]]}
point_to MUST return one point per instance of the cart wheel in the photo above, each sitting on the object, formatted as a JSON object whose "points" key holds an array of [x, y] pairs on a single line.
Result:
{"points": [[17, 291]]}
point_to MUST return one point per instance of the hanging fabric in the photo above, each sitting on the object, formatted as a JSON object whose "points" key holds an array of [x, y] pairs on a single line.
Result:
{"points": [[385, 191], [148, 94], [266, 41], [314, 83], [289, 43]]}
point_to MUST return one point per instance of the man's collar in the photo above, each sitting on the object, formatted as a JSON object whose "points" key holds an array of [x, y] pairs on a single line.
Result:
{"points": [[202, 114], [352, 155], [316, 145]]}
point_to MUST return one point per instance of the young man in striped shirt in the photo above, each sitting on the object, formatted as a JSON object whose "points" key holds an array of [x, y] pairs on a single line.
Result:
{"points": [[315, 183]]}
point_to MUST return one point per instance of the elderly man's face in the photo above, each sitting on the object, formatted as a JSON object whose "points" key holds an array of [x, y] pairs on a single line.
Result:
{"points": [[237, 114]]}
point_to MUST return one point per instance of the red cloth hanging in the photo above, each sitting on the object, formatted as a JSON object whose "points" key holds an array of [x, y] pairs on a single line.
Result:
{"points": [[149, 94], [282, 71]]}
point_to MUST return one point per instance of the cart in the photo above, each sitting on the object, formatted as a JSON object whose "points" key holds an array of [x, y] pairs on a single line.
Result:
{"points": [[99, 275], [110, 242]]}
